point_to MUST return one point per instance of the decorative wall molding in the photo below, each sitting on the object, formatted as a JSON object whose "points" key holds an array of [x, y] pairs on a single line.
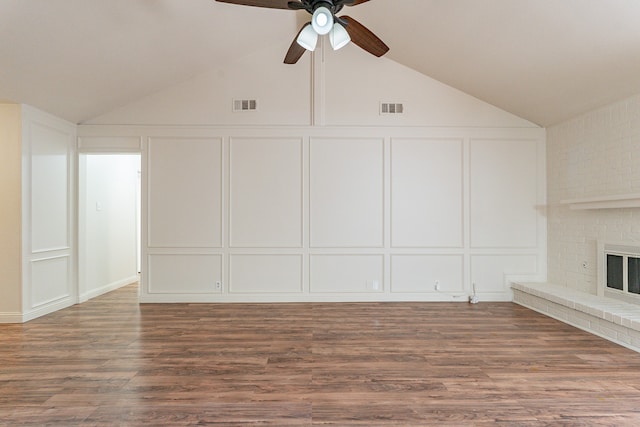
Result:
{"points": [[49, 214], [185, 271], [110, 144], [620, 201]]}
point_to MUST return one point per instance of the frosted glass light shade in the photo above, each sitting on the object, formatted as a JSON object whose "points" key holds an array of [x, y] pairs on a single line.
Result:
{"points": [[322, 20], [308, 38], [339, 37]]}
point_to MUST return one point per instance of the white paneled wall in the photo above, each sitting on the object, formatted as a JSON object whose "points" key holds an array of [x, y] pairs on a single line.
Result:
{"points": [[267, 274], [504, 193], [421, 274], [339, 214], [183, 273], [488, 272], [341, 274], [347, 193], [423, 214], [48, 204], [50, 166], [266, 193], [184, 192], [50, 280]]}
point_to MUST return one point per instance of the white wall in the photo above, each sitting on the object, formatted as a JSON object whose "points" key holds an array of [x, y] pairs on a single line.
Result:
{"points": [[319, 198], [10, 212], [108, 196], [48, 213], [342, 88], [595, 155], [338, 214], [283, 93], [354, 83]]}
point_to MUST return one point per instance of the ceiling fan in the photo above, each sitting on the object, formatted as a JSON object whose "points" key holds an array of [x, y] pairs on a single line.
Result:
{"points": [[341, 29]]}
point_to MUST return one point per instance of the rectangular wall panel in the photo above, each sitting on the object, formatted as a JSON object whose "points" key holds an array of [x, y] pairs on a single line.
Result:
{"points": [[488, 271], [266, 192], [50, 280], [347, 193], [347, 273], [184, 274], [265, 274], [504, 205], [426, 193], [185, 193], [421, 273], [50, 151]]}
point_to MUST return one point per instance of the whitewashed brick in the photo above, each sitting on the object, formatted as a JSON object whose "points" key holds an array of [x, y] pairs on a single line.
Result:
{"points": [[581, 320], [609, 318], [595, 154]]}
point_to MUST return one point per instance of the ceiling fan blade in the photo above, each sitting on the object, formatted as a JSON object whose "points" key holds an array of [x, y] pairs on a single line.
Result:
{"points": [[353, 2], [364, 38], [295, 51], [273, 4]]}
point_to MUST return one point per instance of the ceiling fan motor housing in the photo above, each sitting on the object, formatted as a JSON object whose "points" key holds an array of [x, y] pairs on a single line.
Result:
{"points": [[334, 6]]}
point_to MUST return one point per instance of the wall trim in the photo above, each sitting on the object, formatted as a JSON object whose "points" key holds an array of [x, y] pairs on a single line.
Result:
{"points": [[48, 308], [108, 288], [9, 317], [497, 288]]}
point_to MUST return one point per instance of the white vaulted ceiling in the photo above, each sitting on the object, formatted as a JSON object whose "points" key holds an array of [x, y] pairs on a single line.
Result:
{"points": [[543, 60]]}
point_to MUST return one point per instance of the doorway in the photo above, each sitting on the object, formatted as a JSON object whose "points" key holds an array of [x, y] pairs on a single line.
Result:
{"points": [[109, 222]]}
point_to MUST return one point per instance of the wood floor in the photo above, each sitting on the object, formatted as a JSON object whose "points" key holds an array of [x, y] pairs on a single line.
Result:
{"points": [[113, 362]]}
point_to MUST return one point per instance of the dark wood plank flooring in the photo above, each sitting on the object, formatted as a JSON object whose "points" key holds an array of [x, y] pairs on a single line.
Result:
{"points": [[113, 362]]}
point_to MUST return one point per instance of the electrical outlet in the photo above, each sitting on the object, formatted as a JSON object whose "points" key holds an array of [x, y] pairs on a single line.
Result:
{"points": [[218, 285], [437, 285]]}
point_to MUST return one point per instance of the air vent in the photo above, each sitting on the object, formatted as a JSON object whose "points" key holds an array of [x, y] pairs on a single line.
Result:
{"points": [[391, 108], [240, 105]]}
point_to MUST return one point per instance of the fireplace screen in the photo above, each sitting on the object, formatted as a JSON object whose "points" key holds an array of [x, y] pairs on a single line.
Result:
{"points": [[615, 276], [621, 272], [634, 275]]}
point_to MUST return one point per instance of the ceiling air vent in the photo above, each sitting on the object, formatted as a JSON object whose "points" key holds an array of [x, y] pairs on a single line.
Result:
{"points": [[240, 105], [391, 108]]}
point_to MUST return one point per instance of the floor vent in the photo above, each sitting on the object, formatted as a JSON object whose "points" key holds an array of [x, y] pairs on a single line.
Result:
{"points": [[240, 105], [391, 108]]}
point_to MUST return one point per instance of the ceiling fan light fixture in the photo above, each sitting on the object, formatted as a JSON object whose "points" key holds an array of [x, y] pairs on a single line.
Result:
{"points": [[339, 37], [308, 38], [322, 20]]}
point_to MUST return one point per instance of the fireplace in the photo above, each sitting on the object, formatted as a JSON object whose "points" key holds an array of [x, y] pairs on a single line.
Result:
{"points": [[619, 271]]}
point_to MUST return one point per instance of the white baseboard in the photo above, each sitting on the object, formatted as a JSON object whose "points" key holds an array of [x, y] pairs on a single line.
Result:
{"points": [[9, 317], [108, 288], [47, 309], [316, 298]]}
